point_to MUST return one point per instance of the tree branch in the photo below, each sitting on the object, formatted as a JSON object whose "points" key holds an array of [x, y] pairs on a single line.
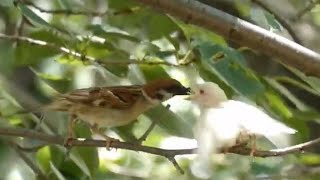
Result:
{"points": [[167, 153], [281, 20], [51, 139], [79, 55], [237, 30]]}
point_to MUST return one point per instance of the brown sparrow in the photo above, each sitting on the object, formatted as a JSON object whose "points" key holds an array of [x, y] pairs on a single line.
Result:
{"points": [[114, 106]]}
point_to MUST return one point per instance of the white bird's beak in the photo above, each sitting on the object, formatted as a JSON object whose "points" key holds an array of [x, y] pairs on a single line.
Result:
{"points": [[191, 97]]}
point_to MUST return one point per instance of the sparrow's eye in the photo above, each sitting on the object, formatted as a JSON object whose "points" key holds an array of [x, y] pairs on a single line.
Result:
{"points": [[159, 96], [201, 91]]}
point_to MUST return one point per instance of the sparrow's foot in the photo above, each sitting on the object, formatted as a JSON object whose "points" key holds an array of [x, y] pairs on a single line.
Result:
{"points": [[252, 152], [71, 134], [225, 150], [253, 145], [109, 141], [67, 142], [240, 144]]}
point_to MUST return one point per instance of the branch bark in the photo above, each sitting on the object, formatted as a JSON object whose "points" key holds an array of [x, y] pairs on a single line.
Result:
{"points": [[241, 32], [168, 153]]}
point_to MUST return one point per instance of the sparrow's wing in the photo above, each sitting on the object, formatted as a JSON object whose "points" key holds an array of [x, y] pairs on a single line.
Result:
{"points": [[120, 97]]}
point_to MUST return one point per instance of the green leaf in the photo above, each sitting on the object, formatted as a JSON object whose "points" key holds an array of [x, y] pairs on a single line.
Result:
{"points": [[117, 69], [28, 54], [284, 91], [57, 154], [121, 4], [310, 115], [90, 157], [43, 158], [175, 42], [71, 165], [310, 159], [298, 84], [7, 57], [61, 84], [229, 65], [65, 4], [86, 158], [243, 7], [153, 72], [170, 122], [33, 16], [56, 172], [76, 157], [262, 168], [272, 21], [195, 33], [166, 119], [275, 105], [314, 82], [126, 132], [7, 3], [112, 33], [258, 16], [145, 19]]}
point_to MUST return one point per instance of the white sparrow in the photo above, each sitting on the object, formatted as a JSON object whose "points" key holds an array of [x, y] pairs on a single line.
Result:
{"points": [[114, 106], [224, 123]]}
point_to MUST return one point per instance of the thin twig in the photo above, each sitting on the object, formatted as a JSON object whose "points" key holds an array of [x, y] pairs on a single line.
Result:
{"points": [[151, 127], [175, 164], [79, 55], [308, 8], [281, 20]]}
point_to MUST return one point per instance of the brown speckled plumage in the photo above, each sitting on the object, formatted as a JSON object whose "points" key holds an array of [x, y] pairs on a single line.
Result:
{"points": [[116, 105]]}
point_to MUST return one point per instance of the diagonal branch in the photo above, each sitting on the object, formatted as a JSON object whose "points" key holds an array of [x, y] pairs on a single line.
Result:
{"points": [[237, 30], [79, 55]]}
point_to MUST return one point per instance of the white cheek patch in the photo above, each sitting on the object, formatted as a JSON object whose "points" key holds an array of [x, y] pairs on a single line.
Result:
{"points": [[166, 95]]}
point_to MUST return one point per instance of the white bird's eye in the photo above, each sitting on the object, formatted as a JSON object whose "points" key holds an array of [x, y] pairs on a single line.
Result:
{"points": [[201, 91]]}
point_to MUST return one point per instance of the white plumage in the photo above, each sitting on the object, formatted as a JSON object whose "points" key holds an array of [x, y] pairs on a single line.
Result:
{"points": [[255, 120], [222, 123]]}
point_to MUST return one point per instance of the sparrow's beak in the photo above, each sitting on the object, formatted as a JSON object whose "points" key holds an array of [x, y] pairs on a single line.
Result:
{"points": [[191, 96], [183, 91]]}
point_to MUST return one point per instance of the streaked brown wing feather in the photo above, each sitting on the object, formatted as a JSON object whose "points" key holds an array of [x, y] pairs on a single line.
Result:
{"points": [[120, 97]]}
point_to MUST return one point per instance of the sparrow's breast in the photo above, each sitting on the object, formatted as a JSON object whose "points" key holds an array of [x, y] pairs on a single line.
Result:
{"points": [[111, 117]]}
